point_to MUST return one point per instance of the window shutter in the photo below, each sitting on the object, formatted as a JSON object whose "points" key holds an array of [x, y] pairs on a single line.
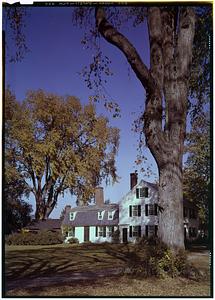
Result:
{"points": [[137, 193], [156, 230], [146, 192], [104, 232], [146, 230], [146, 210], [130, 231], [139, 231], [130, 210], [156, 209], [139, 210], [112, 229], [96, 231]]}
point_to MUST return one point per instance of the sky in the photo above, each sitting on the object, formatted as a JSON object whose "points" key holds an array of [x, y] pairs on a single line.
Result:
{"points": [[55, 59]]}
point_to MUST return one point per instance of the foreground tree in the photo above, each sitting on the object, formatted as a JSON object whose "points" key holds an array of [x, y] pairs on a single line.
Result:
{"points": [[168, 84], [57, 144]]}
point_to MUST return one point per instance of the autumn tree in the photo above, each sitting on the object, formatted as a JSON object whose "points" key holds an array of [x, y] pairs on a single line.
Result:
{"points": [[168, 83], [58, 144], [16, 210], [197, 167]]}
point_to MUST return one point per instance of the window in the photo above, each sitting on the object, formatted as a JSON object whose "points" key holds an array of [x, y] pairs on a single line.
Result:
{"points": [[100, 215], [151, 230], [135, 231], [71, 216], [151, 209], [100, 231], [134, 210], [71, 232], [110, 231], [185, 212], [110, 215], [142, 192]]}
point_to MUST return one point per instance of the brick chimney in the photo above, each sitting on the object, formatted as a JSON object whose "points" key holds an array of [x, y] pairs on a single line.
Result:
{"points": [[133, 179], [99, 196]]}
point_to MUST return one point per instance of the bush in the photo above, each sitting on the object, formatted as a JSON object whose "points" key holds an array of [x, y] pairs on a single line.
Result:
{"points": [[73, 240], [151, 257], [41, 238]]}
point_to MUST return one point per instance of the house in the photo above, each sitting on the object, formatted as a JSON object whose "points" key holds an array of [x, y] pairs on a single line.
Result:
{"points": [[138, 212], [53, 225], [94, 223], [135, 215]]}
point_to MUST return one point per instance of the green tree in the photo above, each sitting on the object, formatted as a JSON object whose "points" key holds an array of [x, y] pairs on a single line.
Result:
{"points": [[174, 38], [58, 144], [197, 167]]}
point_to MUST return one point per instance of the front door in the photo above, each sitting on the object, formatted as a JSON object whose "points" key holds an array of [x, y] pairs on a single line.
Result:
{"points": [[124, 235], [86, 233]]}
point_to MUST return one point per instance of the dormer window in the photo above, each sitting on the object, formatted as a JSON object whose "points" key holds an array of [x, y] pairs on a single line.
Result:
{"points": [[100, 215], [110, 215], [71, 216]]}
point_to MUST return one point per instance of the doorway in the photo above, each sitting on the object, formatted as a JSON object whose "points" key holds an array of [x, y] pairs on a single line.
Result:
{"points": [[86, 233], [125, 235]]}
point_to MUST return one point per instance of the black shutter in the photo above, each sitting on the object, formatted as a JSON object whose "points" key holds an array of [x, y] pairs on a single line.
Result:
{"points": [[156, 230], [130, 210], [146, 192], [146, 210], [96, 231], [130, 231], [137, 193], [156, 209], [104, 232], [146, 230], [112, 229], [139, 231], [139, 210]]}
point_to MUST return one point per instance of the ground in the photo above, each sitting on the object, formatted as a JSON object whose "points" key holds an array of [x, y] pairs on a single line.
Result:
{"points": [[90, 270]]}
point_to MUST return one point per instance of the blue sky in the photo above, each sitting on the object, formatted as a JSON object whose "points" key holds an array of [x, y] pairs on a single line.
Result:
{"points": [[57, 56]]}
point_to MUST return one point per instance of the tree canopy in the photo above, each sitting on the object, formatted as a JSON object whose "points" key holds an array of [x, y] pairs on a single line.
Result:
{"points": [[58, 144]]}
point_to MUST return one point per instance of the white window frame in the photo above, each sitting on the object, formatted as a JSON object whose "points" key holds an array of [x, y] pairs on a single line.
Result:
{"points": [[101, 230], [111, 214], [134, 210], [71, 232], [72, 215], [151, 209], [109, 231], [135, 231], [101, 215]]}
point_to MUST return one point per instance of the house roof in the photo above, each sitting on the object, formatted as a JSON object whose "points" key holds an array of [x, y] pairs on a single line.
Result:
{"points": [[48, 224], [88, 215]]}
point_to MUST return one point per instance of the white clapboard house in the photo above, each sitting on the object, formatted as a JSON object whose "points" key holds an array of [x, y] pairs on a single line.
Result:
{"points": [[135, 215]]}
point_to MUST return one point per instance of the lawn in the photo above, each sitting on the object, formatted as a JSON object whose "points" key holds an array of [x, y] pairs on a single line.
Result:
{"points": [[26, 264]]}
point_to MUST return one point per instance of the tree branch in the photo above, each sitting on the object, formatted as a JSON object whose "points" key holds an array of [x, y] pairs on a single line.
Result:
{"points": [[122, 43]]}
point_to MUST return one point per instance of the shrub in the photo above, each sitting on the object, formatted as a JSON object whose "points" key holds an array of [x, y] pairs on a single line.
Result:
{"points": [[29, 238], [151, 257], [73, 240]]}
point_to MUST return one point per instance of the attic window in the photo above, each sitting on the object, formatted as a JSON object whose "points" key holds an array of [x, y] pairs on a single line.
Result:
{"points": [[71, 216], [110, 215], [142, 192]]}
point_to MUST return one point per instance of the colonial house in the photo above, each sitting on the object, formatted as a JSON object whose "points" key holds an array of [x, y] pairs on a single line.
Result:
{"points": [[135, 215], [94, 223]]}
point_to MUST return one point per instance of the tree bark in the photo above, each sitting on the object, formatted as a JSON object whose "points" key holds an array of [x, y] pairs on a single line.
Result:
{"points": [[170, 59]]}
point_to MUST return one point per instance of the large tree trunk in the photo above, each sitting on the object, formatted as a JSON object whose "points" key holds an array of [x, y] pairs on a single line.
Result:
{"points": [[171, 33]]}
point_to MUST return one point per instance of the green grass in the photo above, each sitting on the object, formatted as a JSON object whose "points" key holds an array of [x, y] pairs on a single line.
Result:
{"points": [[31, 262]]}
